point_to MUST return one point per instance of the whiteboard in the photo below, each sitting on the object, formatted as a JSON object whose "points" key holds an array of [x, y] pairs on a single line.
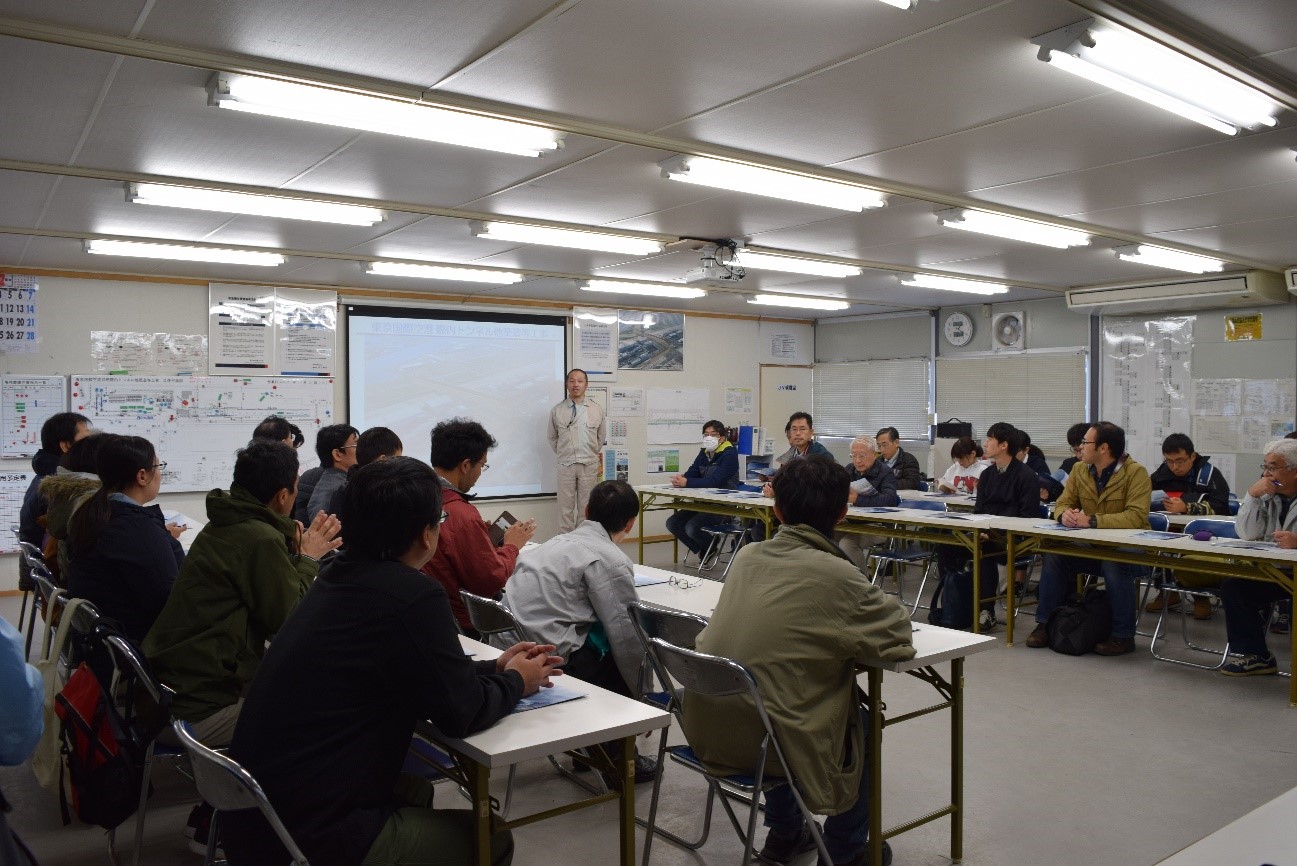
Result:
{"points": [[197, 423], [26, 403]]}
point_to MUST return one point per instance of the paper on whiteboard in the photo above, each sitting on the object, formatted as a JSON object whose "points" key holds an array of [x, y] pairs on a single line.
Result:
{"points": [[594, 341], [1226, 464], [180, 354], [626, 402], [19, 314], [135, 353], [739, 401], [677, 414], [1214, 433], [618, 431], [1268, 397], [13, 486], [25, 404], [306, 324], [241, 323], [1217, 396]]}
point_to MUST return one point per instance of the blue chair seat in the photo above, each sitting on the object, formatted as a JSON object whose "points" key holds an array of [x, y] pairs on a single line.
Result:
{"points": [[425, 761], [686, 756]]}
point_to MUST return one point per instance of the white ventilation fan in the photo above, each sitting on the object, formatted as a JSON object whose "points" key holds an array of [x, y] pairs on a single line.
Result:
{"points": [[1009, 331]]}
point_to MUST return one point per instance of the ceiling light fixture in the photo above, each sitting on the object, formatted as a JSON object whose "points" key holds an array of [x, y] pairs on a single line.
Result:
{"points": [[378, 114], [1013, 228], [443, 272], [1138, 66], [740, 177], [570, 238], [907, 5], [659, 290], [1161, 257], [140, 250], [951, 284], [795, 265], [804, 303], [197, 198]]}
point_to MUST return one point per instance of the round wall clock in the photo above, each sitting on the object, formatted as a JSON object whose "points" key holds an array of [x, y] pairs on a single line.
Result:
{"points": [[957, 329]]}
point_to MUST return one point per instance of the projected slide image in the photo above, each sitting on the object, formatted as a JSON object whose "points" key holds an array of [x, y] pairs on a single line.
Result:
{"points": [[650, 341], [410, 374]]}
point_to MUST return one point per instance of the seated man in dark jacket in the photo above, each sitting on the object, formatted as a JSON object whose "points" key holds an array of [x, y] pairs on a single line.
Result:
{"points": [[906, 466], [369, 652], [873, 485], [717, 465]]}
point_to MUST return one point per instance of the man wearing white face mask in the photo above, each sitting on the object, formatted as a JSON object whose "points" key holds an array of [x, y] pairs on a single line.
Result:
{"points": [[717, 465]]}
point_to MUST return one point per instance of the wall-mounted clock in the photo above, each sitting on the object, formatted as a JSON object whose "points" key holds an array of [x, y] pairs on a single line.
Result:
{"points": [[957, 329]]}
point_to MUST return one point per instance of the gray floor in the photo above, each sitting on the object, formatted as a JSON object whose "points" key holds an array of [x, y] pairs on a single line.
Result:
{"points": [[1069, 761]]}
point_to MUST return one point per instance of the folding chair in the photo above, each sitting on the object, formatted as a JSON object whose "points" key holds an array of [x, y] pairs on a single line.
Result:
{"points": [[898, 556], [733, 533], [1152, 577], [1222, 529], [229, 787], [36, 568], [680, 629], [714, 676]]}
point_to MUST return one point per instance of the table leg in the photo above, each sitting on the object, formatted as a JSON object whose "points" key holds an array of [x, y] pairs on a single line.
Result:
{"points": [[875, 851], [627, 802], [1011, 583], [642, 503], [957, 758], [977, 582], [480, 793]]}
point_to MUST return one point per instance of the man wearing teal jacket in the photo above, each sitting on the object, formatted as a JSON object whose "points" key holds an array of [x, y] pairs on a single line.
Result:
{"points": [[245, 573]]}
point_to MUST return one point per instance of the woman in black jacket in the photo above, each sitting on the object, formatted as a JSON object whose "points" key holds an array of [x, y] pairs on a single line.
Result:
{"points": [[123, 556]]}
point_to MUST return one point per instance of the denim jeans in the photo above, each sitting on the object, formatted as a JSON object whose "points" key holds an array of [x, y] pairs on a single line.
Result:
{"points": [[688, 527], [845, 835], [1247, 609], [1058, 581]]}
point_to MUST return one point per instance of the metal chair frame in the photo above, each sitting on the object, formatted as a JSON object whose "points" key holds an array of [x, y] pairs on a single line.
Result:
{"points": [[715, 676], [228, 787], [36, 568], [735, 533], [1225, 529], [898, 557]]}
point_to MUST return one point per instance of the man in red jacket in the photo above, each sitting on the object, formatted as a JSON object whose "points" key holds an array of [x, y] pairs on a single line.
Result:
{"points": [[465, 557]]}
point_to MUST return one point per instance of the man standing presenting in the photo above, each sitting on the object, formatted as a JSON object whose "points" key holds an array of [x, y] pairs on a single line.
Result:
{"points": [[1106, 490], [802, 618], [577, 430]]}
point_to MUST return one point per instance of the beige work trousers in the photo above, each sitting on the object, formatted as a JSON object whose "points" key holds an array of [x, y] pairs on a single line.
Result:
{"points": [[574, 485]]}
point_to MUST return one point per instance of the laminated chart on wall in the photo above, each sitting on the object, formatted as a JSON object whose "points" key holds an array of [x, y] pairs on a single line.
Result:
{"points": [[25, 404], [197, 423], [1147, 381], [13, 485]]}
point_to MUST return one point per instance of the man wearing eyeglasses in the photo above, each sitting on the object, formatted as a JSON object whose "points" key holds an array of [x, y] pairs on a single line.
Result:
{"points": [[1266, 513], [1187, 483], [577, 430], [336, 447], [1107, 489]]}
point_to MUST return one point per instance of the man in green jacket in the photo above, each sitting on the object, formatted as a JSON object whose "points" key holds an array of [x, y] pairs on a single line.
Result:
{"points": [[245, 573], [803, 619], [1106, 489]]}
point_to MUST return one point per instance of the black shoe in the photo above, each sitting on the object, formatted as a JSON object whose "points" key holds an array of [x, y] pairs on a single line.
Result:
{"points": [[1115, 646], [646, 770], [863, 856], [782, 849]]}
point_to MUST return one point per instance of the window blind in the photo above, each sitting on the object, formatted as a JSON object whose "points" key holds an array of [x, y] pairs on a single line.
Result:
{"points": [[1042, 393], [856, 398]]}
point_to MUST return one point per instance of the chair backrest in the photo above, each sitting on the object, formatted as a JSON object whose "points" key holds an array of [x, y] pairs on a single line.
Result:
{"points": [[31, 553], [1218, 528], [671, 625], [1158, 521], [924, 505], [923, 487], [1045, 510], [229, 787], [491, 617], [1059, 475]]}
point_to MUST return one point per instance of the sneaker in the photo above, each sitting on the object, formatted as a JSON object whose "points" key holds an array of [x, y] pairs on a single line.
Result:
{"points": [[782, 849], [1201, 608], [1115, 646], [1251, 666], [863, 857], [198, 841], [1282, 624], [1171, 600], [1039, 638], [986, 622]]}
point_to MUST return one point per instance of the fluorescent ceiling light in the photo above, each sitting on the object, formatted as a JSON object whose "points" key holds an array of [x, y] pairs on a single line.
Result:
{"points": [[795, 265], [197, 198], [1161, 257], [378, 114], [571, 238], [797, 301], [660, 290], [139, 250], [951, 284], [1013, 228], [1129, 63], [901, 4], [443, 272], [740, 177]]}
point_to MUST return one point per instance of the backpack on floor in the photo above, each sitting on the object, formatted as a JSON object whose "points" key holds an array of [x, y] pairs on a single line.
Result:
{"points": [[1075, 628]]}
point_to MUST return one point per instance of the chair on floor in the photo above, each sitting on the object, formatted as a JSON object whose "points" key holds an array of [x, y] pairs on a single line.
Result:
{"points": [[36, 568], [1151, 577], [897, 554], [704, 675], [1221, 529], [681, 629], [732, 534], [228, 788]]}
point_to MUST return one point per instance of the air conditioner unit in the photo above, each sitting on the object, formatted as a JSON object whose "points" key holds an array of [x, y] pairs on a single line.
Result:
{"points": [[1247, 289]]}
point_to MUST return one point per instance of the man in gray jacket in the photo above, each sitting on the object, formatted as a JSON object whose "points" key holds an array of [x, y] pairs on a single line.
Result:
{"points": [[1266, 512], [572, 592]]}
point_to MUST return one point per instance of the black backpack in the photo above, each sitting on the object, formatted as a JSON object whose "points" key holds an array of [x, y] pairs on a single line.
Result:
{"points": [[1077, 626]]}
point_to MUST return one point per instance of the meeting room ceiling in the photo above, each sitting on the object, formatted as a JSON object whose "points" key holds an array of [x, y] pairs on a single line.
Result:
{"points": [[945, 105]]}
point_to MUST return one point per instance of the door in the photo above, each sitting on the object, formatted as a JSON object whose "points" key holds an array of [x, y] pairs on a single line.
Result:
{"points": [[784, 390]]}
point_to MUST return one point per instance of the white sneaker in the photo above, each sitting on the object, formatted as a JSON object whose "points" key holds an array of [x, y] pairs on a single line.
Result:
{"points": [[986, 622]]}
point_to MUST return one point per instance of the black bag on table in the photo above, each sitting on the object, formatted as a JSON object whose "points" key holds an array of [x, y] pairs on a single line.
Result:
{"points": [[1081, 623]]}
